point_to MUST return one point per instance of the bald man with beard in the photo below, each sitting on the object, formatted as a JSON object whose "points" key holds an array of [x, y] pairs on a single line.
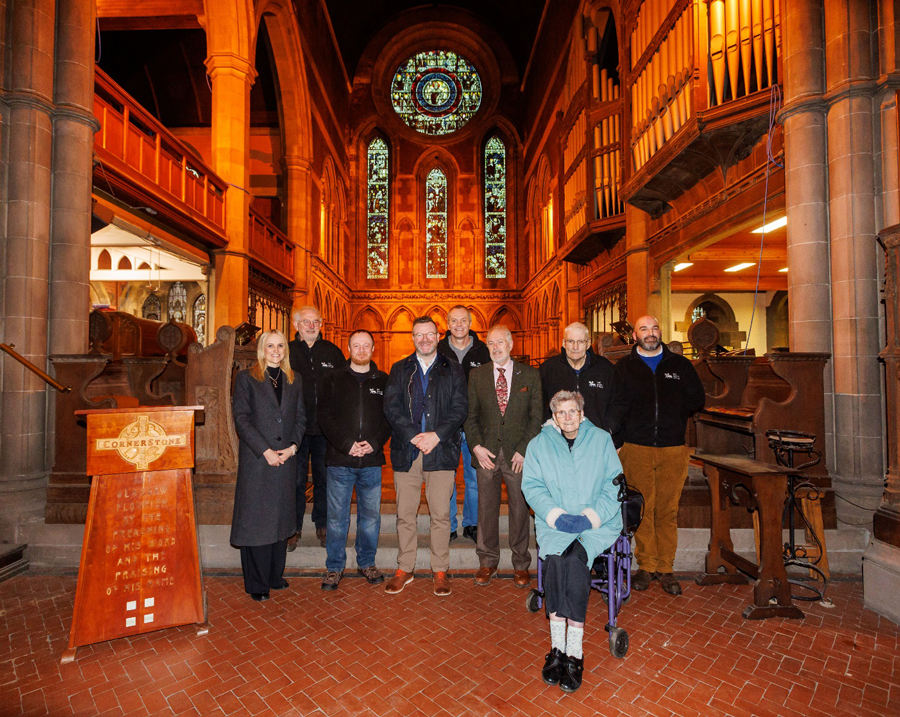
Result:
{"points": [[662, 390]]}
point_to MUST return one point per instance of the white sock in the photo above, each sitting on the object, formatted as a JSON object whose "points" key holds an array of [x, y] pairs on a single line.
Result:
{"points": [[573, 642], [558, 634]]}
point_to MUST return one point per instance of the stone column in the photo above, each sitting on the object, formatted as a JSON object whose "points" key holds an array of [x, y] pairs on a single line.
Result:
{"points": [[28, 110], [73, 141], [806, 191], [637, 262], [858, 470], [232, 76], [297, 170]]}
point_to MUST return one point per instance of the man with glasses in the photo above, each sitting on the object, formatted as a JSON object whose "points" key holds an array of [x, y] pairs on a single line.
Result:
{"points": [[312, 357], [662, 390], [463, 345], [425, 402], [577, 368], [505, 409]]}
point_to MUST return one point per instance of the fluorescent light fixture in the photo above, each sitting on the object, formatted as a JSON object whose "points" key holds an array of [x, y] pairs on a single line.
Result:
{"points": [[771, 226], [783, 271], [683, 265], [738, 267]]}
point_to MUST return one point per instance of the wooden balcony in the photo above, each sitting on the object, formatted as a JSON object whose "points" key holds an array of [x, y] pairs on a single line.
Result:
{"points": [[271, 252], [140, 162]]}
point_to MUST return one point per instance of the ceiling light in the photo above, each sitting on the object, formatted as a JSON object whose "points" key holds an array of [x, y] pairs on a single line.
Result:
{"points": [[738, 267], [683, 265], [783, 271], [771, 226]]}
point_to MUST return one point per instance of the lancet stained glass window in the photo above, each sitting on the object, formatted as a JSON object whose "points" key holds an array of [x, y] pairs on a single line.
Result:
{"points": [[436, 92], [377, 223], [495, 209], [177, 303], [436, 225]]}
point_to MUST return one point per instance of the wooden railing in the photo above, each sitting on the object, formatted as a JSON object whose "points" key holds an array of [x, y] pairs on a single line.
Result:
{"points": [[271, 249], [134, 143]]}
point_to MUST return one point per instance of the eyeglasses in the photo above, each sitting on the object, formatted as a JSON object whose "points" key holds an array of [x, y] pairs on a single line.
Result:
{"points": [[576, 342], [313, 322], [430, 335], [573, 413]]}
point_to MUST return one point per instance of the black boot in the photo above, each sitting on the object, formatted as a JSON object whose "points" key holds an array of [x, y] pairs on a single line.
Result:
{"points": [[553, 667], [570, 679]]}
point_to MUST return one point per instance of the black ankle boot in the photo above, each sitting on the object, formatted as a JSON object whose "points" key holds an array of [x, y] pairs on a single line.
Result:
{"points": [[553, 667], [570, 678]]}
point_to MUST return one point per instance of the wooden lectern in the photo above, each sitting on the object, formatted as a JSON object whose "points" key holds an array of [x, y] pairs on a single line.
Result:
{"points": [[140, 560]]}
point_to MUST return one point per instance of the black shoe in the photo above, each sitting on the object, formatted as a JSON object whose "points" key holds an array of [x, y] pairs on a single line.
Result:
{"points": [[570, 678], [553, 667], [260, 597], [284, 584], [669, 583], [453, 536], [641, 580], [471, 532]]}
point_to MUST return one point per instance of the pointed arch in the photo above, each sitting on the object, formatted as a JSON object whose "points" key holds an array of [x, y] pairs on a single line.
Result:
{"points": [[368, 319], [401, 319]]}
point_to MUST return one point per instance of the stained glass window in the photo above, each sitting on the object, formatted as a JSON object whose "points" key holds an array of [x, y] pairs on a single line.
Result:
{"points": [[199, 322], [436, 225], [495, 209], [377, 224], [177, 303], [152, 308], [436, 92]]}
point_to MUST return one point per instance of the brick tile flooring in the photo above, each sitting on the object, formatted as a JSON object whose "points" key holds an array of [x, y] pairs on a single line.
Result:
{"points": [[358, 651]]}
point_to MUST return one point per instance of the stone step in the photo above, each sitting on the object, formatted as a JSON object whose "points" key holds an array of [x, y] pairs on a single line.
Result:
{"points": [[59, 547]]}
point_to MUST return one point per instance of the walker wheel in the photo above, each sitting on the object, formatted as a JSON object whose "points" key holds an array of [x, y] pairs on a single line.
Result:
{"points": [[533, 601], [618, 642]]}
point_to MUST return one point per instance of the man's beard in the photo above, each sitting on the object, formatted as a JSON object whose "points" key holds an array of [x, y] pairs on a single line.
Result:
{"points": [[645, 343], [359, 363]]}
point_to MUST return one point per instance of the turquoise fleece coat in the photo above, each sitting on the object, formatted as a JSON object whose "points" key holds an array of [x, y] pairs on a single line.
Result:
{"points": [[556, 480]]}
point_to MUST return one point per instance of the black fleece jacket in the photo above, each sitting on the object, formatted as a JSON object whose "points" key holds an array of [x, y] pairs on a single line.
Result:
{"points": [[312, 364], [659, 404], [597, 382], [477, 355], [350, 411]]}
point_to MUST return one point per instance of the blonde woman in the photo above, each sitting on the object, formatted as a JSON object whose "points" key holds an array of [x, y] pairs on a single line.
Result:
{"points": [[269, 418]]}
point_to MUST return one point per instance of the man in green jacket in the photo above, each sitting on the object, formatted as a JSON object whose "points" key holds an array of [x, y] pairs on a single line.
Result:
{"points": [[505, 411]]}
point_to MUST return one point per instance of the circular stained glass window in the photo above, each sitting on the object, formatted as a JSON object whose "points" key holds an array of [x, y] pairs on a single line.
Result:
{"points": [[436, 92]]}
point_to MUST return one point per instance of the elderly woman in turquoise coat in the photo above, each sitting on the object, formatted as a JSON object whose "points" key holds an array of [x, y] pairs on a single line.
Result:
{"points": [[567, 480]]}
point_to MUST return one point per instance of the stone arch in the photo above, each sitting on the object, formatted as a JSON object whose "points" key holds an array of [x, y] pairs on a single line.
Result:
{"points": [[507, 316], [554, 302], [401, 319], [719, 311], [368, 319]]}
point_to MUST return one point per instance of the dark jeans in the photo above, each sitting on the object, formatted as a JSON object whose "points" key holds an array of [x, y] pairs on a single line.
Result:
{"points": [[341, 482], [312, 448]]}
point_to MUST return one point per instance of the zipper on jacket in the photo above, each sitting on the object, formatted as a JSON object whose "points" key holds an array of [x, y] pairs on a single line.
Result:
{"points": [[359, 434]]}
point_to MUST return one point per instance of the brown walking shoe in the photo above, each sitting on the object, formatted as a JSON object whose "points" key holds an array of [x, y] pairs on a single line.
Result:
{"points": [[442, 584], [484, 575], [372, 574], [669, 583], [641, 580], [398, 582]]}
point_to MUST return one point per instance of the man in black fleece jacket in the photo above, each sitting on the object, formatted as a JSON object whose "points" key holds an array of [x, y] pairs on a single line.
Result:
{"points": [[312, 356], [663, 390], [351, 415], [579, 369]]}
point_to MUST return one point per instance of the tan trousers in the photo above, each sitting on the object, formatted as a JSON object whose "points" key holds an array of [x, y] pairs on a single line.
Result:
{"points": [[438, 486], [658, 473]]}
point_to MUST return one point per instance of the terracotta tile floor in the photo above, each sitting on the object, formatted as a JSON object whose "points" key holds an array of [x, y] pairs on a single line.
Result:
{"points": [[358, 651]]}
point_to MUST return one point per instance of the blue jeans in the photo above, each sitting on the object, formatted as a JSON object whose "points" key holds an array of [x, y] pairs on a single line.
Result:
{"points": [[341, 482], [470, 499]]}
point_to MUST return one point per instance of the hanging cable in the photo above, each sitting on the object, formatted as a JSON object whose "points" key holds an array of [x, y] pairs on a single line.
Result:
{"points": [[774, 106]]}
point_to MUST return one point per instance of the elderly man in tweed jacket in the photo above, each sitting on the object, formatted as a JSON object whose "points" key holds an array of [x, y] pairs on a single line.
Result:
{"points": [[505, 411]]}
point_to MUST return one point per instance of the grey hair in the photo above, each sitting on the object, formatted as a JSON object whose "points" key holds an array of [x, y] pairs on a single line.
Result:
{"points": [[501, 328], [562, 396], [581, 327], [302, 310]]}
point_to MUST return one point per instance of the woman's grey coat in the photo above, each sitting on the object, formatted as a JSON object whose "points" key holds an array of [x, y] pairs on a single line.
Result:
{"points": [[264, 496]]}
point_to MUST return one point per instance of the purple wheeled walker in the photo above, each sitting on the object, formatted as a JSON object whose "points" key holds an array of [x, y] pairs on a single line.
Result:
{"points": [[611, 572]]}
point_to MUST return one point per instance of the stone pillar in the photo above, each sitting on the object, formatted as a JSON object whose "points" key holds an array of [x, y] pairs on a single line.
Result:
{"points": [[73, 141], [858, 470], [806, 191], [232, 76], [298, 174], [637, 262], [28, 110]]}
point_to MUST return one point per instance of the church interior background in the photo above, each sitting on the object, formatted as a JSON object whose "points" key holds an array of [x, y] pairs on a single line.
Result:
{"points": [[221, 162]]}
